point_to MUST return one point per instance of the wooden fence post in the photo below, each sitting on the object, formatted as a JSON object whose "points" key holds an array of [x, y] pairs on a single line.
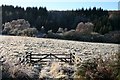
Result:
{"points": [[30, 57], [70, 58]]}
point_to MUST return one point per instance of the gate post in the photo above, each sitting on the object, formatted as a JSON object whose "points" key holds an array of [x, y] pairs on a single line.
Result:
{"points": [[30, 57], [70, 59]]}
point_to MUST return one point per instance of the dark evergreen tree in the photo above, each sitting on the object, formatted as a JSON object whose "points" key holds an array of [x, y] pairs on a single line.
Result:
{"points": [[39, 17]]}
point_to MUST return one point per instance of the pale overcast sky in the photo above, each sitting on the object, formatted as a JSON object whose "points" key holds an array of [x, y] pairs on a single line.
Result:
{"points": [[64, 4]]}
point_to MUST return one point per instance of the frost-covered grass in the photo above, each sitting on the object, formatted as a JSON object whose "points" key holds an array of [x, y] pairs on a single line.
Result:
{"points": [[13, 49]]}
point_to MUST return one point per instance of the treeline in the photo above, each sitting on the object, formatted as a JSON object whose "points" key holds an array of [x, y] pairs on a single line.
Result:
{"points": [[52, 20]]}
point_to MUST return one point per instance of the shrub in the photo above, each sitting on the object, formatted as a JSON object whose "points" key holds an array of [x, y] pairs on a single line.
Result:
{"points": [[96, 69], [113, 36], [29, 32], [60, 30], [86, 28], [69, 34], [18, 28], [54, 35], [11, 71]]}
